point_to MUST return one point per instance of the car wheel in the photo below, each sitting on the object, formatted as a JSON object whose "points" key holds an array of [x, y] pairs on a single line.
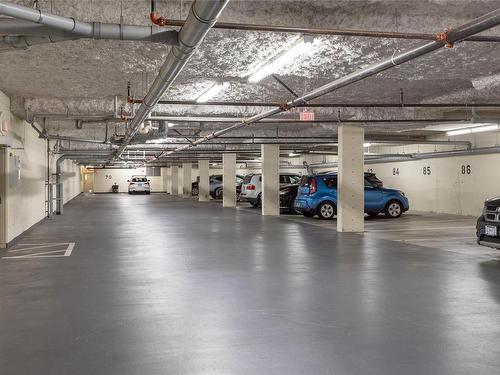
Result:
{"points": [[291, 208], [259, 200], [254, 204], [308, 214], [327, 210], [393, 209], [218, 193], [194, 192]]}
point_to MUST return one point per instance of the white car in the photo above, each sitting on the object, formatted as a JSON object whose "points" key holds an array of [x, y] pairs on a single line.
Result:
{"points": [[251, 190], [139, 184]]}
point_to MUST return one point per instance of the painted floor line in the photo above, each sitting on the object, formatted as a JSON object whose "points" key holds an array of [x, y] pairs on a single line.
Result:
{"points": [[69, 250], [419, 229], [46, 254], [35, 255], [444, 240], [37, 247]]}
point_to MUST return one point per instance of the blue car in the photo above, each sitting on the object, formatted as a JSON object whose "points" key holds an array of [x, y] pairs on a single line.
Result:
{"points": [[317, 195]]}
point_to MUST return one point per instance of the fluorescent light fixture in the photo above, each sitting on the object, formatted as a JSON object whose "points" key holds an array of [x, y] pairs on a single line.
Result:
{"points": [[367, 144], [293, 154], [212, 91], [171, 124], [280, 60], [160, 140], [476, 129]]}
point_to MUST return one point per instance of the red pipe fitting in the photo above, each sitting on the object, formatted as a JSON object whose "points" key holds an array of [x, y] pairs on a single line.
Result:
{"points": [[157, 19], [443, 38]]}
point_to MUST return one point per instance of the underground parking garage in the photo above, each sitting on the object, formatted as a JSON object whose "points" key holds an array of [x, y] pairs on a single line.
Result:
{"points": [[249, 187]]}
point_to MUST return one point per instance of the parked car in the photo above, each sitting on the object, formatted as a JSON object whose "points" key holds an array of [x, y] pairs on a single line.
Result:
{"points": [[288, 193], [139, 184], [216, 190], [251, 191], [317, 195], [373, 179], [488, 223], [370, 176]]}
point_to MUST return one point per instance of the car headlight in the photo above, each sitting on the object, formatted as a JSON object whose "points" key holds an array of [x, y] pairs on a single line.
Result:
{"points": [[402, 193]]}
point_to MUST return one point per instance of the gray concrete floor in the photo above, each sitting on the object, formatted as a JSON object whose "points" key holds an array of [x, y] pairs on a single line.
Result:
{"points": [[158, 285]]}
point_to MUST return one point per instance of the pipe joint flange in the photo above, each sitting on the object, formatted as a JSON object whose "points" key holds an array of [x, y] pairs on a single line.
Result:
{"points": [[285, 107], [443, 37]]}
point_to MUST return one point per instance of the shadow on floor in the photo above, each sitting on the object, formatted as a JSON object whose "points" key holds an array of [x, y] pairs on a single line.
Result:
{"points": [[490, 271]]}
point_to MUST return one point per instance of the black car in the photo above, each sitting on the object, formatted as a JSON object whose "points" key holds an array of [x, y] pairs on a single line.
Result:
{"points": [[488, 224], [287, 198]]}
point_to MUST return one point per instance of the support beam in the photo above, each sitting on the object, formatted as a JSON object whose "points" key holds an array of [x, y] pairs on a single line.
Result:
{"points": [[350, 197], [204, 184], [174, 180], [186, 179], [270, 180], [229, 180]]}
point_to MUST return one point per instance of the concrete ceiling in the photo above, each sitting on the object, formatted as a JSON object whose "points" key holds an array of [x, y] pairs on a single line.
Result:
{"points": [[83, 76]]}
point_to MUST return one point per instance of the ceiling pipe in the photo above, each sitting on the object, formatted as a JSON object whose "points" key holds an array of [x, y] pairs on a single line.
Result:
{"points": [[392, 158], [298, 121], [43, 134], [337, 32], [447, 38], [65, 27], [324, 105], [202, 16], [25, 42]]}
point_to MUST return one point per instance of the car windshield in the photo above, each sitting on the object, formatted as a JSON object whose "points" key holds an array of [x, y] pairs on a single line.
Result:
{"points": [[139, 179]]}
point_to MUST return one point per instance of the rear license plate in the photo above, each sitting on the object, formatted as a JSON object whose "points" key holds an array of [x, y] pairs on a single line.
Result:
{"points": [[298, 204], [490, 230]]}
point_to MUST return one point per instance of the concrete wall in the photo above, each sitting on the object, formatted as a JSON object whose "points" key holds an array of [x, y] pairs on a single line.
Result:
{"points": [[105, 178], [448, 188], [26, 175]]}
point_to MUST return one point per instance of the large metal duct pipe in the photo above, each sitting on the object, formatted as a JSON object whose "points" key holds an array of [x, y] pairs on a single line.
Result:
{"points": [[58, 27], [202, 16], [480, 24]]}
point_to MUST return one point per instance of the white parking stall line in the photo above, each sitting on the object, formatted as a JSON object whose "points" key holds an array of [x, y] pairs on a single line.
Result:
{"points": [[419, 229], [69, 250], [34, 251], [36, 247]]}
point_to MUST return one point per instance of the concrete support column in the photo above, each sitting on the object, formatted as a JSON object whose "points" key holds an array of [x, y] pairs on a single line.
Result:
{"points": [[174, 180], [165, 177], [186, 179], [270, 179], [351, 187], [229, 180], [204, 184]]}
